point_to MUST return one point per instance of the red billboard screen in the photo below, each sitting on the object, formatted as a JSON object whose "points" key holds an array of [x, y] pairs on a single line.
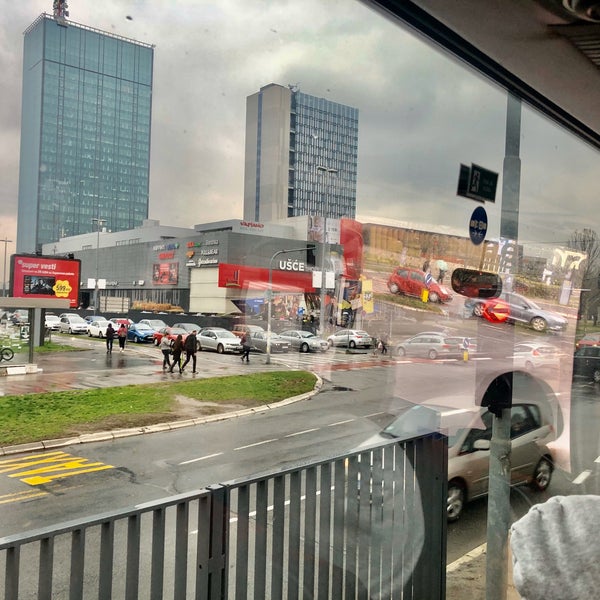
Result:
{"points": [[45, 277]]}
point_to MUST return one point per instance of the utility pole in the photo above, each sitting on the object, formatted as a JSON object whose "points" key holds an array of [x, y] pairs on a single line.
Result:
{"points": [[6, 242]]}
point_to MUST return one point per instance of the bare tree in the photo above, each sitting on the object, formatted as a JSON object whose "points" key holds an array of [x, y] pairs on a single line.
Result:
{"points": [[587, 241]]}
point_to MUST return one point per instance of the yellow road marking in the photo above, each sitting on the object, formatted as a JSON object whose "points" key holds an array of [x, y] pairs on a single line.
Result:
{"points": [[19, 496], [39, 480]]}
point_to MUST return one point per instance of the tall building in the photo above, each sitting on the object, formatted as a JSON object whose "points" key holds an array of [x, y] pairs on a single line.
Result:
{"points": [[301, 156], [85, 132]]}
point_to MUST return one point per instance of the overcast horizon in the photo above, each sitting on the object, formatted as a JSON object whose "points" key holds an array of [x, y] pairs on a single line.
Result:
{"points": [[420, 114]]}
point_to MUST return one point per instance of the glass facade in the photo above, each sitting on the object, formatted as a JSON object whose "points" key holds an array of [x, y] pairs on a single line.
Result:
{"points": [[85, 148]]}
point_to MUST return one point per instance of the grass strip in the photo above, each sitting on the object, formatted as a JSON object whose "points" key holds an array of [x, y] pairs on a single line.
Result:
{"points": [[35, 417]]}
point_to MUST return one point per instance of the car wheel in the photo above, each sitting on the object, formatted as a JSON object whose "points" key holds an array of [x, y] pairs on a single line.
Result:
{"points": [[433, 297], [538, 324], [304, 347], [156, 342], [329, 343], [400, 351], [89, 334], [70, 331], [394, 288], [478, 310], [137, 340], [220, 349], [596, 375], [352, 344], [432, 354], [456, 501], [542, 474]]}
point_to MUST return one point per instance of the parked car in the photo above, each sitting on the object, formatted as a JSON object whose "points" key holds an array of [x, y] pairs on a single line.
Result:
{"points": [[586, 362], [91, 318], [469, 433], [52, 322], [98, 328], [140, 333], [118, 321], [351, 338], [535, 355], [20, 316], [430, 344], [304, 341], [155, 324], [170, 332], [73, 324], [218, 339], [240, 328], [590, 339], [258, 341], [411, 282], [518, 309], [189, 327]]}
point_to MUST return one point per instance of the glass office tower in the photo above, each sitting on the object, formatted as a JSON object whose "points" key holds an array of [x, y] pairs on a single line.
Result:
{"points": [[85, 132], [301, 156]]}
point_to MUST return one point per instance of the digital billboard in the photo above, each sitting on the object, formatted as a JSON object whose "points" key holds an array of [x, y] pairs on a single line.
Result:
{"points": [[33, 276]]}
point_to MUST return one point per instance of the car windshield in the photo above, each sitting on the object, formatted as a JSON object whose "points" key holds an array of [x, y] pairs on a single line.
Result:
{"points": [[143, 327]]}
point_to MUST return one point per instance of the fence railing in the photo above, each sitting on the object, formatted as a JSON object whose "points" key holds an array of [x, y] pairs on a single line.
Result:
{"points": [[370, 524]]}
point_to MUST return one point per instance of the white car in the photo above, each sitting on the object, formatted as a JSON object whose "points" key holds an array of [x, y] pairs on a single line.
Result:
{"points": [[218, 339], [351, 338], [52, 322], [73, 324], [98, 327], [155, 324], [535, 355]]}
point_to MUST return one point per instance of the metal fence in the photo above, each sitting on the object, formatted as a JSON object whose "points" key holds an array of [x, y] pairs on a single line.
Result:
{"points": [[370, 524]]}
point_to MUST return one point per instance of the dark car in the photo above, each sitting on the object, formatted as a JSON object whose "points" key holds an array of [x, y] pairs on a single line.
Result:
{"points": [[412, 282], [586, 362], [140, 333]]}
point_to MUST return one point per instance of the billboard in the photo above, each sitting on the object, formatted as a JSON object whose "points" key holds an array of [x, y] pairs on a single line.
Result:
{"points": [[165, 273], [33, 276]]}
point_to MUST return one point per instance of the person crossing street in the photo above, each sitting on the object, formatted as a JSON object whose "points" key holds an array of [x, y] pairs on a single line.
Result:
{"points": [[190, 346]]}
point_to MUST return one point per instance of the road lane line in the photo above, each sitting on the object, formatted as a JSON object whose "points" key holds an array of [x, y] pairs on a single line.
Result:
{"points": [[377, 414], [582, 477], [302, 432], [597, 460], [341, 422], [39, 480], [193, 460], [257, 444], [19, 496]]}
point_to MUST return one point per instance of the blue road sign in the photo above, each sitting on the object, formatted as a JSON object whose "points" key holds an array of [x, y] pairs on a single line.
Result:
{"points": [[478, 225]]}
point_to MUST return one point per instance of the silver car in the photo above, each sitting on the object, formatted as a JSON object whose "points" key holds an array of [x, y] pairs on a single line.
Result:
{"points": [[429, 345], [218, 339], [304, 341], [73, 324], [351, 338]]}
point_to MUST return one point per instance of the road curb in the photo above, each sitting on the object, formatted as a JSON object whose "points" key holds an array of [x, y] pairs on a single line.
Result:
{"points": [[105, 436]]}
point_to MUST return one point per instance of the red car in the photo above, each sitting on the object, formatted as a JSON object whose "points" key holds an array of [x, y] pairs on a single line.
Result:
{"points": [[412, 282], [170, 332], [591, 339]]}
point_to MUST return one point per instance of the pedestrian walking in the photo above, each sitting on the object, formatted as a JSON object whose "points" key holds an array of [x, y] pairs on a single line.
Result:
{"points": [[190, 346], [165, 348], [122, 335], [245, 347], [110, 336], [177, 350]]}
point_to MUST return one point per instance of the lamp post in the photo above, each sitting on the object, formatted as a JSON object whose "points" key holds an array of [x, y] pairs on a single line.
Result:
{"points": [[324, 213], [6, 241], [270, 291], [99, 222]]}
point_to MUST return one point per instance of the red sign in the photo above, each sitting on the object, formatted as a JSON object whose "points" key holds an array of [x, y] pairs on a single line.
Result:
{"points": [[257, 278], [45, 277], [165, 273]]}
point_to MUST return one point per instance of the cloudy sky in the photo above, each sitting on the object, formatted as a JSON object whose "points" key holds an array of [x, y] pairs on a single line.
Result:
{"points": [[421, 114]]}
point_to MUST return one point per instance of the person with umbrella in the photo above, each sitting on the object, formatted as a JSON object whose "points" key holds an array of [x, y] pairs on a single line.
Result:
{"points": [[443, 267]]}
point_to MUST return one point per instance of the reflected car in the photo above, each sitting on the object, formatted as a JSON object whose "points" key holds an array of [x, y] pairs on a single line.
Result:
{"points": [[469, 433], [242, 328], [52, 322], [258, 341], [73, 324], [304, 341], [590, 339], [412, 282], [535, 355], [586, 362], [188, 327], [430, 345], [140, 333], [155, 324], [350, 338], [514, 308], [219, 340], [90, 318], [171, 333], [97, 328]]}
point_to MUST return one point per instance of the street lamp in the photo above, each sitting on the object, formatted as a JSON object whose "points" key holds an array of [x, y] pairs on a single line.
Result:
{"points": [[100, 222], [270, 291], [6, 241], [324, 213]]}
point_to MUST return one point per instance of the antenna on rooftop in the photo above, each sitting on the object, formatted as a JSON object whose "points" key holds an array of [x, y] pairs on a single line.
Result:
{"points": [[60, 10]]}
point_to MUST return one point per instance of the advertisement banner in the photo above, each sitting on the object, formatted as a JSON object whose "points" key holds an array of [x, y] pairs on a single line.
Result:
{"points": [[33, 276], [165, 273]]}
